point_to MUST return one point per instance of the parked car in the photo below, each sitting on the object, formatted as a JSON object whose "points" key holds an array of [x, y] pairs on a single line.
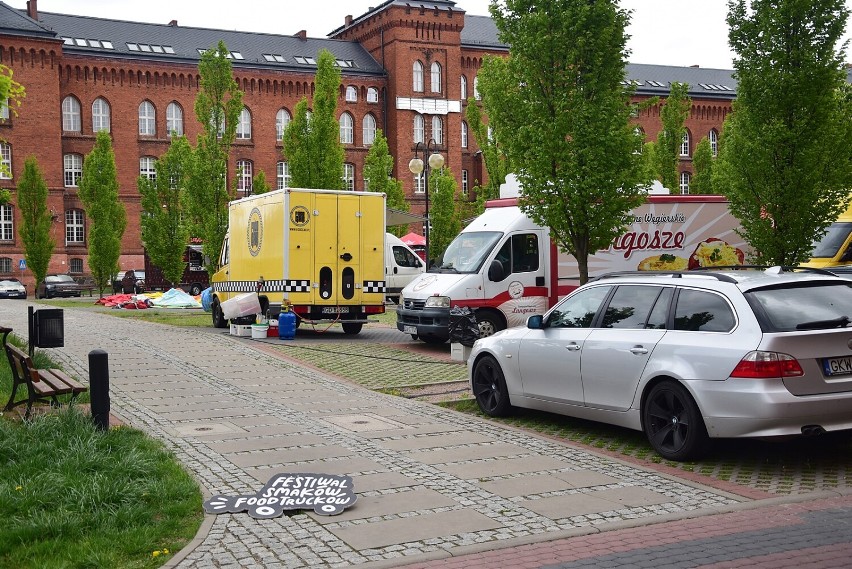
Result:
{"points": [[683, 356], [129, 282], [12, 288], [58, 286]]}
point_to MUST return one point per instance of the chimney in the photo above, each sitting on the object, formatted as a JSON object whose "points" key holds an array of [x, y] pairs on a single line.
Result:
{"points": [[32, 9], [173, 23], [302, 35], [348, 21]]}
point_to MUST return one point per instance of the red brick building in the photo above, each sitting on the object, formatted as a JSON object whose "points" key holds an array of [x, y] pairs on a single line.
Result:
{"points": [[406, 69]]}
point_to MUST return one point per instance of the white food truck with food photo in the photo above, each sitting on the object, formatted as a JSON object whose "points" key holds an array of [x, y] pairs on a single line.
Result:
{"points": [[505, 268]]}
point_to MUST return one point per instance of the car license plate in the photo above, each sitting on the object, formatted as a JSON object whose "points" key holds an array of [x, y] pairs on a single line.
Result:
{"points": [[837, 366], [409, 329], [335, 309]]}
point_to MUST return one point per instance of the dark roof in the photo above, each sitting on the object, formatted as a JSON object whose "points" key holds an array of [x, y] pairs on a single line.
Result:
{"points": [[14, 22], [481, 31], [174, 43], [703, 82]]}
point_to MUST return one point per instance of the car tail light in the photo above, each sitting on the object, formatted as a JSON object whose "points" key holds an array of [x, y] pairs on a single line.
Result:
{"points": [[374, 309], [766, 365]]}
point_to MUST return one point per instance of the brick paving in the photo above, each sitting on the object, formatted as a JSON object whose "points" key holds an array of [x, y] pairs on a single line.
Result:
{"points": [[436, 488]]}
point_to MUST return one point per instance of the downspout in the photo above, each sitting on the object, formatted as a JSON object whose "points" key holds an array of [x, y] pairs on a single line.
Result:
{"points": [[385, 98]]}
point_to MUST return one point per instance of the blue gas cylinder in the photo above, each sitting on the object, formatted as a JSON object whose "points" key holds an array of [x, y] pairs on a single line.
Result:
{"points": [[286, 325]]}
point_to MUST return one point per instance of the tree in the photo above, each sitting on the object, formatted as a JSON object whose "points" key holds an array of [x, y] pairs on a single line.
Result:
{"points": [[702, 163], [559, 108], [36, 220], [165, 232], [98, 190], [378, 167], [217, 107], [258, 183], [11, 93], [312, 139], [443, 218], [496, 165], [673, 115], [785, 161]]}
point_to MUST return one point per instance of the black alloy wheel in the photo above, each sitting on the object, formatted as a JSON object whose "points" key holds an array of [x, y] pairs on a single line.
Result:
{"points": [[672, 422], [489, 388]]}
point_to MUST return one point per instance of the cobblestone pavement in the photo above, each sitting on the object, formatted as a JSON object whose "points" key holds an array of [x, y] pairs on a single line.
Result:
{"points": [[432, 483]]}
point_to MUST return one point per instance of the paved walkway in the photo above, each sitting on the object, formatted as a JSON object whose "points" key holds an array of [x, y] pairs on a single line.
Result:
{"points": [[435, 487]]}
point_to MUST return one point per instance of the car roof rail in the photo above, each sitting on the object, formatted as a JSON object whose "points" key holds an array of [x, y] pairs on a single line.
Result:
{"points": [[779, 268], [673, 274]]}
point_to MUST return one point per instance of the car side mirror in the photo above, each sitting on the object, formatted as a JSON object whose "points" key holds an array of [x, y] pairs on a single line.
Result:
{"points": [[535, 322], [495, 271]]}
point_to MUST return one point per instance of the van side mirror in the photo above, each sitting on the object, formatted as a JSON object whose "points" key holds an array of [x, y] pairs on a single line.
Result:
{"points": [[495, 271], [535, 322]]}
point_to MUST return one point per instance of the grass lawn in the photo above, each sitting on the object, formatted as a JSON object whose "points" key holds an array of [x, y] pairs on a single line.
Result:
{"points": [[73, 496]]}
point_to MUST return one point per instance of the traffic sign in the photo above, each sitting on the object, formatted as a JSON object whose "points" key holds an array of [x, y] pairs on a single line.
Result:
{"points": [[22, 264]]}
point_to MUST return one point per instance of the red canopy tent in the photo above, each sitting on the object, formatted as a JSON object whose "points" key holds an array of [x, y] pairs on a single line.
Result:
{"points": [[413, 239]]}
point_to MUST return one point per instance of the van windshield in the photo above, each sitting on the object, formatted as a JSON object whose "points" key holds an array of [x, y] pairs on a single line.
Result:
{"points": [[467, 252], [834, 238]]}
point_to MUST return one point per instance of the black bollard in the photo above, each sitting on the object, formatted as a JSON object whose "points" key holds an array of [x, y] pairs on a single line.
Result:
{"points": [[99, 388]]}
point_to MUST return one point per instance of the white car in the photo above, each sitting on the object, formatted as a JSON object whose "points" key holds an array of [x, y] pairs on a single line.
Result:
{"points": [[12, 288], [683, 356]]}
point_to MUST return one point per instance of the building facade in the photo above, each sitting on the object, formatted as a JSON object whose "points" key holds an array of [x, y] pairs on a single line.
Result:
{"points": [[407, 70]]}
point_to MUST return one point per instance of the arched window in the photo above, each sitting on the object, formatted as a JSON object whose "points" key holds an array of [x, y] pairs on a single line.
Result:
{"points": [[368, 128], [684, 182], [283, 175], [75, 228], [73, 169], [436, 77], [71, 114], [351, 94], [282, 119], [147, 119], [684, 145], [417, 77], [100, 115], [418, 128], [347, 131], [372, 95], [174, 119], [148, 167], [244, 173], [244, 125], [5, 161], [463, 88], [714, 142], [438, 129], [464, 134], [476, 88]]}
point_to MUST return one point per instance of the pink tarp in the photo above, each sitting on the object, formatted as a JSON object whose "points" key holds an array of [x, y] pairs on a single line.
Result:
{"points": [[413, 239]]}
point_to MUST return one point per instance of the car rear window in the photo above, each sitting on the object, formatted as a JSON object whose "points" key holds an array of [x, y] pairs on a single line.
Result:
{"points": [[804, 306]]}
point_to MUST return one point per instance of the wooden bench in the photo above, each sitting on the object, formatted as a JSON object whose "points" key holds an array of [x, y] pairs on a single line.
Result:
{"points": [[42, 385]]}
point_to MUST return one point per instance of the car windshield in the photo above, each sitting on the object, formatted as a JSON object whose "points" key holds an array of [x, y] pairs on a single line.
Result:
{"points": [[805, 306], [467, 252], [833, 239], [58, 279], [8, 282]]}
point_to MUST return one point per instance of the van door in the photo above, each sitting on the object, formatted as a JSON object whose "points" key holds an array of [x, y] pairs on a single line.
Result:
{"points": [[519, 288], [403, 265]]}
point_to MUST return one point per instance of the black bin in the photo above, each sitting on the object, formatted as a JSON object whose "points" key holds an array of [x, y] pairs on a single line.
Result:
{"points": [[49, 328]]}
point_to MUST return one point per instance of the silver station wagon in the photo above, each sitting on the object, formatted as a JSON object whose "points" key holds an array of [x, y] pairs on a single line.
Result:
{"points": [[683, 356]]}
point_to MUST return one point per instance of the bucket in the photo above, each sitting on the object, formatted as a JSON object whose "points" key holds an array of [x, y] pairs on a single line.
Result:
{"points": [[272, 332], [259, 330]]}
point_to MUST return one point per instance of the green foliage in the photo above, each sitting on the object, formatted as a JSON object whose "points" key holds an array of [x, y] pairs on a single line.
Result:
{"points": [[378, 167], [258, 183], [165, 232], [702, 163], [36, 221], [219, 102], [11, 93], [673, 114], [496, 164], [785, 161], [98, 190], [560, 110], [444, 220], [312, 138]]}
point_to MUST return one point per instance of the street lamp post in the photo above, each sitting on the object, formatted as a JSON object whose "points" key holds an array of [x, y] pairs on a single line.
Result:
{"points": [[416, 166]]}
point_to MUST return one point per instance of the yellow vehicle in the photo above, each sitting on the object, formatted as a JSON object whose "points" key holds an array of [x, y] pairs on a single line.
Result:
{"points": [[835, 247], [320, 251]]}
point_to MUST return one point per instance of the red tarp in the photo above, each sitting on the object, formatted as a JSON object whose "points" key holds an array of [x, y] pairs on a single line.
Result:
{"points": [[413, 239]]}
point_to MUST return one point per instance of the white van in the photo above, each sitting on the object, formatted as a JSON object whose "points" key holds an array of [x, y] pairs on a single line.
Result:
{"points": [[402, 265]]}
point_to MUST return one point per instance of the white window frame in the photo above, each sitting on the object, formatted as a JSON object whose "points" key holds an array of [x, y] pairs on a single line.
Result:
{"points": [[349, 177], [685, 178], [351, 94], [5, 262], [684, 144], [368, 130], [100, 115], [419, 182], [463, 88], [476, 94], [5, 161], [347, 129], [71, 119], [463, 134], [7, 223], [438, 129], [75, 227], [435, 77], [283, 170], [282, 119], [372, 95], [174, 119], [4, 110], [419, 129], [148, 167], [245, 172], [147, 119], [72, 169], [713, 136], [464, 185], [417, 77], [244, 125]]}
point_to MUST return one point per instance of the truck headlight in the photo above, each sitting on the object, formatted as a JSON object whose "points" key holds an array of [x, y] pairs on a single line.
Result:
{"points": [[438, 302]]}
